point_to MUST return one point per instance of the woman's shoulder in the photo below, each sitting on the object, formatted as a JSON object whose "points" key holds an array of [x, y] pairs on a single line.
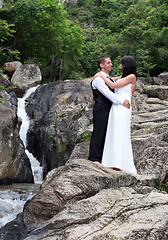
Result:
{"points": [[131, 76]]}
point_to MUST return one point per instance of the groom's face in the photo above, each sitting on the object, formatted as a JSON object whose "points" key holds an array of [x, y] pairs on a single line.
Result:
{"points": [[107, 65]]}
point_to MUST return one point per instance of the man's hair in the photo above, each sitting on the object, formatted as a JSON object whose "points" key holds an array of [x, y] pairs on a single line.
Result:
{"points": [[129, 66], [101, 60]]}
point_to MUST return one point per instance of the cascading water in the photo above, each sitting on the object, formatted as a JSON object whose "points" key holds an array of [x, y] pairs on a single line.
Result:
{"points": [[12, 200], [35, 165], [13, 197]]}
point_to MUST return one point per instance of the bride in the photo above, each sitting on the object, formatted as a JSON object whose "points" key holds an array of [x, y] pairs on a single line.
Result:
{"points": [[117, 153]]}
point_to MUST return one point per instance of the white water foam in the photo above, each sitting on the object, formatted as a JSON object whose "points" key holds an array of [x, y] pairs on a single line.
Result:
{"points": [[11, 203], [35, 165]]}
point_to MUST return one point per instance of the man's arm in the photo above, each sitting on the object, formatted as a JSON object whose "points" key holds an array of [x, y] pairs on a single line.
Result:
{"points": [[98, 83]]}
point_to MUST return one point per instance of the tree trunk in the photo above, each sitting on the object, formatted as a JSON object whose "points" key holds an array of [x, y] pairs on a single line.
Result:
{"points": [[60, 73]]}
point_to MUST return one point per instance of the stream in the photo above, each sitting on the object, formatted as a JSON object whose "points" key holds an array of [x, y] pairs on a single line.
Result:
{"points": [[12, 200], [13, 197]]}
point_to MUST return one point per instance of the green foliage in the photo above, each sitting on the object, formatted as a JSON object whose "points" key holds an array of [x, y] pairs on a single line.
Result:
{"points": [[52, 140], [62, 148], [36, 27], [145, 65], [163, 187], [86, 137], [118, 28], [1, 88], [66, 39], [42, 32], [116, 70], [5, 30], [148, 131], [6, 33], [6, 89]]}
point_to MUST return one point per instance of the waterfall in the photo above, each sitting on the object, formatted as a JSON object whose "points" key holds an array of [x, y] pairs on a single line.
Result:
{"points": [[13, 198], [35, 165], [11, 203]]}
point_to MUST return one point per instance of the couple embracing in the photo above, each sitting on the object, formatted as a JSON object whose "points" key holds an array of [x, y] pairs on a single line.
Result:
{"points": [[110, 143]]}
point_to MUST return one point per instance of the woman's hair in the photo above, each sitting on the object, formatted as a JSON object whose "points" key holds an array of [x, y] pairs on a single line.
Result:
{"points": [[129, 66]]}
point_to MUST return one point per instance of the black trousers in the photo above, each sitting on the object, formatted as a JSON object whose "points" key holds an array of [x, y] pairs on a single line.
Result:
{"points": [[100, 120]]}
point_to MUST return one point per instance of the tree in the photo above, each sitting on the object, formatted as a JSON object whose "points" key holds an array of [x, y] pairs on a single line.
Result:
{"points": [[66, 37], [6, 33], [43, 31]]}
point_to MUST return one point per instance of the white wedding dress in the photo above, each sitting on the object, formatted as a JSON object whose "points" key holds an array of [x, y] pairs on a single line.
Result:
{"points": [[117, 151]]}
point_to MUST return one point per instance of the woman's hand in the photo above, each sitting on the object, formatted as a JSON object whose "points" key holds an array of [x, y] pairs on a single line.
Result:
{"points": [[97, 75], [106, 80]]}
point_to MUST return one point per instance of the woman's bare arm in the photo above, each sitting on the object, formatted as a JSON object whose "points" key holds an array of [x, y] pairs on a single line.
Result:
{"points": [[125, 81], [116, 78]]}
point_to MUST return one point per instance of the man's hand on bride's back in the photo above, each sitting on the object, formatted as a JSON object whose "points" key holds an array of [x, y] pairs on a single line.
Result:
{"points": [[126, 104]]}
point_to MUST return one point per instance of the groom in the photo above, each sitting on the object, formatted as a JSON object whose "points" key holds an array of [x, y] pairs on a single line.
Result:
{"points": [[103, 97]]}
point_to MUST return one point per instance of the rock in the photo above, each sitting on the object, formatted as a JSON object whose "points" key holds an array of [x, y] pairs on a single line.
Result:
{"points": [[6, 99], [122, 213], [150, 131], [13, 101], [152, 81], [150, 156], [14, 165], [25, 77], [76, 180], [81, 150], [83, 200], [60, 113], [7, 95], [14, 230], [4, 80], [164, 77], [156, 91], [10, 67]]}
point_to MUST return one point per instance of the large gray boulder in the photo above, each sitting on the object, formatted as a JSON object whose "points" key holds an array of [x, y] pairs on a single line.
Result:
{"points": [[25, 77], [83, 200], [78, 179], [14, 164], [60, 113], [10, 67], [164, 77]]}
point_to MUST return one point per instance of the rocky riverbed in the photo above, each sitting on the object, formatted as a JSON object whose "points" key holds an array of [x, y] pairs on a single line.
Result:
{"points": [[81, 200]]}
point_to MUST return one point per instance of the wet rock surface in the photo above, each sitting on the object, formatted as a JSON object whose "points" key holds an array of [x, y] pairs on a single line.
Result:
{"points": [[14, 164]]}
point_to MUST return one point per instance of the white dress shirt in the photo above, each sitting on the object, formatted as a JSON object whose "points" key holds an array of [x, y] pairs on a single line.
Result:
{"points": [[99, 84]]}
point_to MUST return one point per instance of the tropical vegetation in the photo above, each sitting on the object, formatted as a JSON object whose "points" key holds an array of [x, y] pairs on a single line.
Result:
{"points": [[66, 37]]}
